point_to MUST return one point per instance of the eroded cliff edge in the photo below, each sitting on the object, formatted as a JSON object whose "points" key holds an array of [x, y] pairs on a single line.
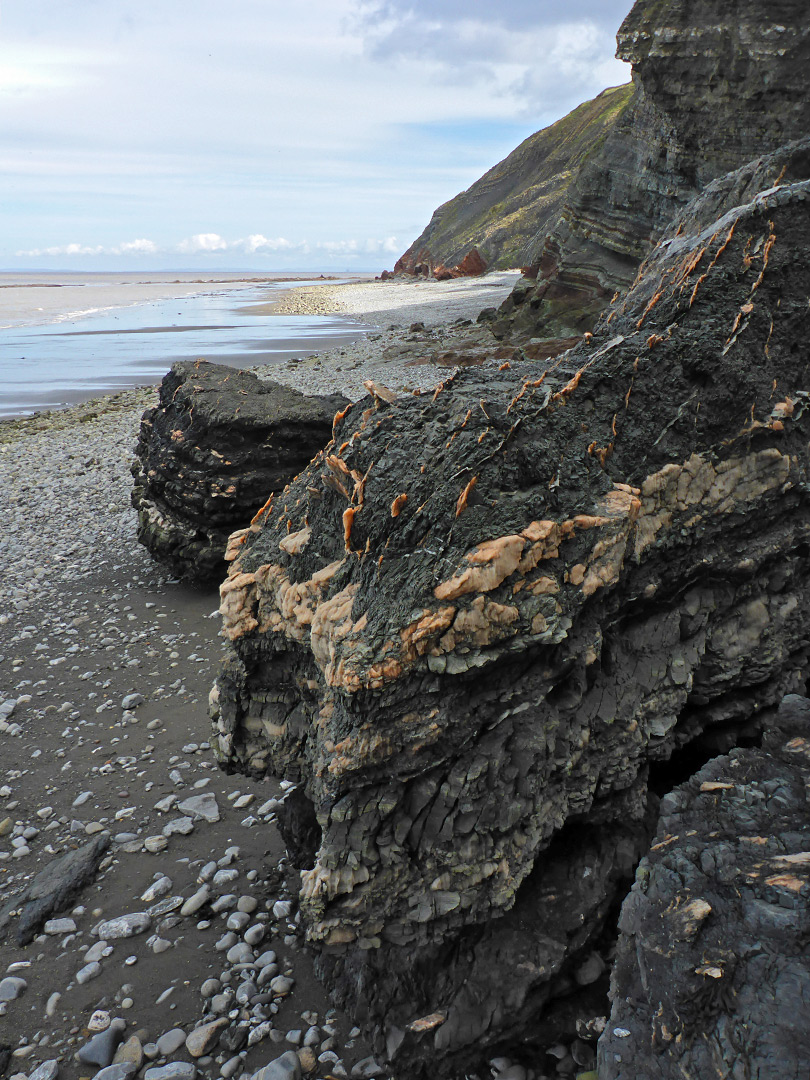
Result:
{"points": [[506, 215], [715, 85], [478, 619]]}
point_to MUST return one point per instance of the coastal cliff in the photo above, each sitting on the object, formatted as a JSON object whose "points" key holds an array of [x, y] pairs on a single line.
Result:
{"points": [[507, 214], [715, 85], [480, 621]]}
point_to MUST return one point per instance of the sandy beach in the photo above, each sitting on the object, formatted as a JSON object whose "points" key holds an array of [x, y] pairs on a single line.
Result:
{"points": [[184, 945]]}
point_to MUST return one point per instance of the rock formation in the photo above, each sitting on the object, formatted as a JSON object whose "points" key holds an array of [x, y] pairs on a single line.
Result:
{"points": [[716, 84], [507, 214], [209, 455], [478, 619], [712, 976]]}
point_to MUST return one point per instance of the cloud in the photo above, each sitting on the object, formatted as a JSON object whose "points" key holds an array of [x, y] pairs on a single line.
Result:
{"points": [[215, 245], [136, 247], [202, 242], [532, 53]]}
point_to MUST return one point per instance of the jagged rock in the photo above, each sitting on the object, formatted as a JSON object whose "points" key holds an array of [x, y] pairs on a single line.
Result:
{"points": [[211, 452], [716, 84], [507, 214], [476, 619], [712, 974], [52, 889]]}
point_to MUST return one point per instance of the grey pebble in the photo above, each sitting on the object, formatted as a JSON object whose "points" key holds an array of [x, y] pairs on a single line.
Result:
{"points": [[201, 806], [240, 954], [173, 1070], [181, 826], [88, 972], [210, 987], [286, 1067], [125, 926], [121, 1070], [48, 1070], [12, 987], [195, 901], [157, 889], [100, 1050], [254, 934], [171, 1041]]}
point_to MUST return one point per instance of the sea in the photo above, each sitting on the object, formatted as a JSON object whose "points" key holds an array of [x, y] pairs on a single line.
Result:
{"points": [[68, 337]]}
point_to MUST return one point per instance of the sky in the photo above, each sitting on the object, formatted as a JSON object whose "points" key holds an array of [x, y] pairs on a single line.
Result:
{"points": [[270, 134]]}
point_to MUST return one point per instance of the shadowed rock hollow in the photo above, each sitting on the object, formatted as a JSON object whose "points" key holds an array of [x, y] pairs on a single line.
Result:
{"points": [[712, 972], [211, 452], [477, 618]]}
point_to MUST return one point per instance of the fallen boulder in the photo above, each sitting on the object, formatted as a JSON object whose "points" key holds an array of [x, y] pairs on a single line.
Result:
{"points": [[219, 442], [52, 889], [712, 975], [476, 621]]}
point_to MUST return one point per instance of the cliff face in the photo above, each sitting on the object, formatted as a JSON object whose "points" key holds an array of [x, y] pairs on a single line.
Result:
{"points": [[477, 620], [716, 85], [507, 214]]}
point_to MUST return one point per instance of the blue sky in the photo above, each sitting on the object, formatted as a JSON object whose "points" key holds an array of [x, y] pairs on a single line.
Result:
{"points": [[267, 134]]}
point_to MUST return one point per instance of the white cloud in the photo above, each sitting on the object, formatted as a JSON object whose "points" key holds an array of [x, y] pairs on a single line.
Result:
{"points": [[136, 247], [215, 245], [202, 242]]}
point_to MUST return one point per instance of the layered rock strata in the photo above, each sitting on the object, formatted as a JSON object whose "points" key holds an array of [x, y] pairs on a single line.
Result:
{"points": [[209, 455], [506, 215], [712, 975], [478, 617], [716, 84]]}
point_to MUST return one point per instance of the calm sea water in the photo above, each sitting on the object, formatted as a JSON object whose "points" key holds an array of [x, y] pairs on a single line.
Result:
{"points": [[79, 354]]}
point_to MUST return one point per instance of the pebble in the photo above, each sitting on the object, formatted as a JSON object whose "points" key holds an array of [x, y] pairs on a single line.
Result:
{"points": [[100, 1050], [88, 972], [254, 934], [286, 1067], [174, 1070], [157, 889], [99, 1021], [59, 926], [196, 901], [171, 1041], [182, 826], [12, 987], [204, 1038], [130, 1053], [98, 951], [247, 904], [125, 926], [48, 1070], [119, 1070], [202, 806]]}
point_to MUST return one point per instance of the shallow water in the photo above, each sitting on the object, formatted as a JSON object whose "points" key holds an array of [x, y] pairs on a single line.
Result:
{"points": [[80, 352]]}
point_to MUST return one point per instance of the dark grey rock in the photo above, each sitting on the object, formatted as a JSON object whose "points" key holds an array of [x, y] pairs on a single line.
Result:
{"points": [[53, 889], [211, 453], [286, 1067], [173, 1070], [100, 1050], [712, 962], [525, 591]]}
